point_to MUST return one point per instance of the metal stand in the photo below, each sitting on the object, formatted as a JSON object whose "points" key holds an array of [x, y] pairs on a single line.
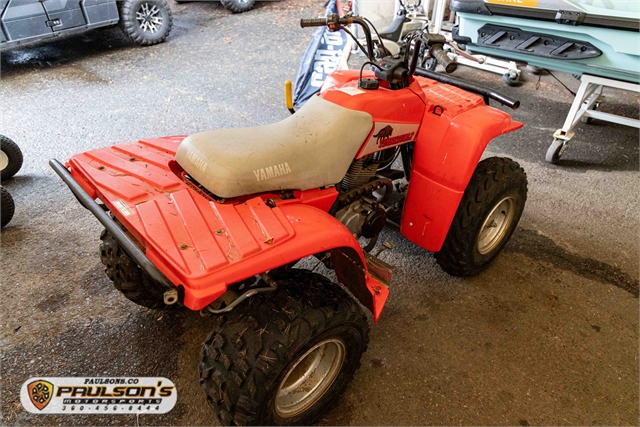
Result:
{"points": [[507, 69], [584, 106], [438, 9]]}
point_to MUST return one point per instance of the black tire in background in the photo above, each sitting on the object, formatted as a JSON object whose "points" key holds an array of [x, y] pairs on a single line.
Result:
{"points": [[249, 363], [7, 208], [486, 217], [238, 6], [10, 158], [127, 277], [152, 26]]}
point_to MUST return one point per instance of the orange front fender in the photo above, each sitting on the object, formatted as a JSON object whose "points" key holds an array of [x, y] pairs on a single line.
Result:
{"points": [[446, 154]]}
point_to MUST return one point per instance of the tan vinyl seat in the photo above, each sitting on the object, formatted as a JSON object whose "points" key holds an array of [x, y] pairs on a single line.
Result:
{"points": [[312, 148]]}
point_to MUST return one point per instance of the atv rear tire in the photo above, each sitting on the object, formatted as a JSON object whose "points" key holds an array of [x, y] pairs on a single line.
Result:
{"points": [[10, 158], [487, 216], [127, 277], [7, 208], [238, 6], [146, 22], [309, 330]]}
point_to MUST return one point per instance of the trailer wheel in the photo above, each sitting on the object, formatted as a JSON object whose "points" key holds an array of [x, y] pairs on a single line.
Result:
{"points": [[7, 208], [511, 78], [555, 151], [284, 358], [487, 216], [127, 277], [10, 158], [534, 70], [238, 6], [146, 22]]}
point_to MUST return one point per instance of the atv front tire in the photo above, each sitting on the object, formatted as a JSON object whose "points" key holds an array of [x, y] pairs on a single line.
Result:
{"points": [[487, 216], [284, 358], [10, 158], [238, 6], [127, 277], [146, 22], [7, 208]]}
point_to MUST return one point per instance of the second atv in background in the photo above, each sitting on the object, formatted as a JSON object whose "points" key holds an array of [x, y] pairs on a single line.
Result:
{"points": [[146, 22]]}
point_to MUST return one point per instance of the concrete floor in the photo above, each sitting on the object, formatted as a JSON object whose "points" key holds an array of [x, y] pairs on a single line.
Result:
{"points": [[547, 336]]}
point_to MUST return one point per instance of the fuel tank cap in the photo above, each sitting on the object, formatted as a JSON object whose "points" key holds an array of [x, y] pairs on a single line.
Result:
{"points": [[368, 84]]}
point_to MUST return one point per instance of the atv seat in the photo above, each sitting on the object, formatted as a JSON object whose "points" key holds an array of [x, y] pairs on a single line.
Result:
{"points": [[312, 148]]}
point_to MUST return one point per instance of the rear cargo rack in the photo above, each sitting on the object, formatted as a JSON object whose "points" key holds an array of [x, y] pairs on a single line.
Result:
{"points": [[123, 240]]}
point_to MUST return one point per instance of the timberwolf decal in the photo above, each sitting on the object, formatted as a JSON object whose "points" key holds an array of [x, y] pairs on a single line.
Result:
{"points": [[383, 133], [385, 139]]}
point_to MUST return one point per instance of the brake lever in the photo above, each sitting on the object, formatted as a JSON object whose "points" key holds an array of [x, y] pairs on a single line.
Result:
{"points": [[462, 53]]}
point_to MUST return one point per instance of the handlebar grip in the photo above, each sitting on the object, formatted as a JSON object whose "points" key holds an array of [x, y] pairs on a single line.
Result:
{"points": [[443, 59], [316, 22]]}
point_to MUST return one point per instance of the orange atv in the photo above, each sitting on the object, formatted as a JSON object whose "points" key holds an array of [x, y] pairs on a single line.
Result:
{"points": [[216, 222]]}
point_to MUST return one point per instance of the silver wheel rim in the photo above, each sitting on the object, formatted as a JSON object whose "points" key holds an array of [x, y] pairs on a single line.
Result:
{"points": [[149, 18], [309, 378], [4, 161], [496, 225]]}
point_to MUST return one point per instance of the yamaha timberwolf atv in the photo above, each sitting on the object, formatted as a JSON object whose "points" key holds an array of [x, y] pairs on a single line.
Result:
{"points": [[216, 221]]}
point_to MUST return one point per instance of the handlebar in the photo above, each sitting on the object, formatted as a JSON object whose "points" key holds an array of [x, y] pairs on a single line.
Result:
{"points": [[443, 59], [334, 22], [316, 22], [433, 41]]}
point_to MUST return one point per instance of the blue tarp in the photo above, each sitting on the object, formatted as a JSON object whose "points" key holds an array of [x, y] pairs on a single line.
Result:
{"points": [[323, 56]]}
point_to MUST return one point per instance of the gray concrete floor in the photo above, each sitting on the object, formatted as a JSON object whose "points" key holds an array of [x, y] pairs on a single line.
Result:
{"points": [[547, 336]]}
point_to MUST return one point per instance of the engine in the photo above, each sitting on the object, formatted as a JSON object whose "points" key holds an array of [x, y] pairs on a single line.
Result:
{"points": [[364, 217], [360, 207], [360, 172]]}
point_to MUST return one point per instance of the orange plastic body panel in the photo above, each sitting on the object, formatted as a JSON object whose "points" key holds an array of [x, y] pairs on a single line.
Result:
{"points": [[384, 105], [455, 130], [199, 243], [387, 107]]}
